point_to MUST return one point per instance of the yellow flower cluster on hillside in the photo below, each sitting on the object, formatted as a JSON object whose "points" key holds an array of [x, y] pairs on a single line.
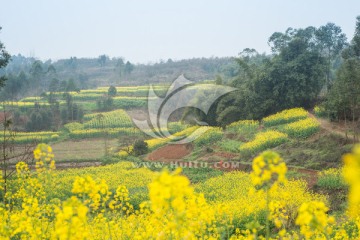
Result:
{"points": [[23, 104], [286, 116], [302, 128], [200, 134], [212, 134], [239, 125], [112, 119], [264, 140], [27, 137], [233, 206]]}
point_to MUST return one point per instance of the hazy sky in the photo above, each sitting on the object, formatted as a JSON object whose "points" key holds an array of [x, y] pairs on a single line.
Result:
{"points": [[146, 31]]}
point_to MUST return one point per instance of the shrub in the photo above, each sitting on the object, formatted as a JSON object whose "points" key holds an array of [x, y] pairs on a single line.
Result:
{"points": [[320, 111], [140, 147], [331, 179], [230, 145], [112, 91], [54, 137]]}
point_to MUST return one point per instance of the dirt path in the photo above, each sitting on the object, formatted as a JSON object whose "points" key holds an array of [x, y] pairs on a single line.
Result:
{"points": [[335, 128], [174, 154], [170, 152]]}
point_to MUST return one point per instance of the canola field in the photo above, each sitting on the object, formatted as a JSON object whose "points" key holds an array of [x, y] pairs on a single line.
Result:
{"points": [[98, 203], [125, 201]]}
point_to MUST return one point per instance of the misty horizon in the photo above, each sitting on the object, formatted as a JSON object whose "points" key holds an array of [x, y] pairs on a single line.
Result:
{"points": [[149, 32]]}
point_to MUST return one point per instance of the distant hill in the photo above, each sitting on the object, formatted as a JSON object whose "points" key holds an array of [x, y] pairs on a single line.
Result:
{"points": [[103, 71]]}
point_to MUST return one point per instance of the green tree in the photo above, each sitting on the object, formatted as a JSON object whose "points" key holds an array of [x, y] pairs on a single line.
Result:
{"points": [[128, 68], [102, 60], [4, 60], [112, 91], [218, 80], [140, 147], [343, 100], [293, 77], [54, 85], [331, 41], [13, 87], [71, 86], [51, 70], [72, 63]]}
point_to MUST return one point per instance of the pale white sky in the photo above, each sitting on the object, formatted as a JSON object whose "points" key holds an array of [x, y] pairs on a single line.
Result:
{"points": [[147, 31]]}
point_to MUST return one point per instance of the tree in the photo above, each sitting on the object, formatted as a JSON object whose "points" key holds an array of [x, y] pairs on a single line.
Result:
{"points": [[13, 87], [293, 77], [9, 157], [120, 66], [37, 75], [331, 41], [51, 70], [72, 63], [140, 147], [343, 100], [62, 86], [40, 119], [54, 85], [71, 86], [105, 103], [102, 60], [112, 91], [278, 40], [218, 80], [4, 60], [353, 50], [128, 68]]}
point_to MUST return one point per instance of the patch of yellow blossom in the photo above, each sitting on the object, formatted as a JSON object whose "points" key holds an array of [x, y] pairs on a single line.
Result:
{"points": [[243, 124], [314, 221], [351, 174], [181, 213], [285, 116], [44, 157], [268, 169], [71, 220], [263, 141], [302, 128], [278, 214], [95, 195], [223, 207]]}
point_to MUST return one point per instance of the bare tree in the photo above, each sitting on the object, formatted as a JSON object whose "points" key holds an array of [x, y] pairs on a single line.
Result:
{"points": [[11, 153]]}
